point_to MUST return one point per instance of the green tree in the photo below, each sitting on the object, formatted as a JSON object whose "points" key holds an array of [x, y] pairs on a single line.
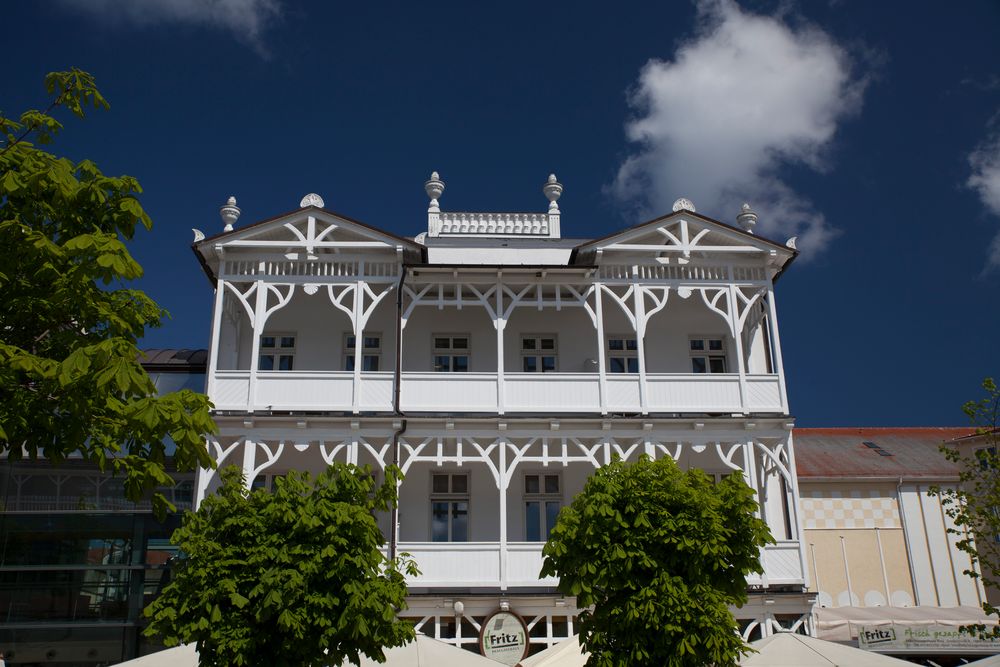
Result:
{"points": [[291, 578], [659, 555], [974, 503], [70, 373]]}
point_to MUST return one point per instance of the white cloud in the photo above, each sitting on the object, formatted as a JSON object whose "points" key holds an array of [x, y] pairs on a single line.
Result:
{"points": [[746, 96], [248, 20], [985, 180]]}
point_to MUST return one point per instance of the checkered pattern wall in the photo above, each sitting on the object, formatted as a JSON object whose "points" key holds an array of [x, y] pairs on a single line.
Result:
{"points": [[871, 508]]}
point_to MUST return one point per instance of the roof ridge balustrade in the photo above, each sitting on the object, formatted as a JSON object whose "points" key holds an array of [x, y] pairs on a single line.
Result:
{"points": [[488, 224]]}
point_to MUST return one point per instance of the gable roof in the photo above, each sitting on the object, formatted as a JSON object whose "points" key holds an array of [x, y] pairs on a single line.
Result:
{"points": [[722, 227], [198, 247], [703, 218], [823, 453]]}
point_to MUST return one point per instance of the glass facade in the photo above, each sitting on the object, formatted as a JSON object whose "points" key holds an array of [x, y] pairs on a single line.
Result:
{"points": [[73, 585]]}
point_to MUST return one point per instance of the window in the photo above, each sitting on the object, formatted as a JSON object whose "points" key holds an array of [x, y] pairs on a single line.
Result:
{"points": [[450, 507], [542, 502], [451, 353], [708, 355], [265, 481], [539, 353], [371, 353], [623, 354], [277, 352]]}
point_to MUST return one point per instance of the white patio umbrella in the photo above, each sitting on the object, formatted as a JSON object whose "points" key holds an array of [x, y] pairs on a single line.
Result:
{"points": [[992, 661], [179, 656], [787, 649], [567, 653], [423, 652]]}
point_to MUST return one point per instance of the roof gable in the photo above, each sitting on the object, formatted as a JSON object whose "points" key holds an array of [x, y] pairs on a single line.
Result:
{"points": [[309, 227], [685, 234]]}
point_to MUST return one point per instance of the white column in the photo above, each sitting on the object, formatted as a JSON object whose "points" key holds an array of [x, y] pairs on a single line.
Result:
{"points": [[794, 506], [779, 368], [639, 312], [358, 343], [259, 311], [750, 464], [500, 323], [734, 320], [213, 354], [502, 484], [602, 376], [249, 461]]}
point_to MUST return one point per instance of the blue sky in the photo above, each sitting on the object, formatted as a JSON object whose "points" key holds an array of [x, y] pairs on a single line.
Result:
{"points": [[867, 129]]}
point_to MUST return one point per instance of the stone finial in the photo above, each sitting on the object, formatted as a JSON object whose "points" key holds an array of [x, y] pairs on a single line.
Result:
{"points": [[684, 204], [312, 199], [790, 243], [230, 213], [747, 218], [198, 235], [434, 187], [553, 189]]}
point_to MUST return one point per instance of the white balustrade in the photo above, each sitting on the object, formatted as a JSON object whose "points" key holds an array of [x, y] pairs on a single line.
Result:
{"points": [[449, 392], [551, 393], [477, 564], [454, 563], [555, 392], [782, 564]]}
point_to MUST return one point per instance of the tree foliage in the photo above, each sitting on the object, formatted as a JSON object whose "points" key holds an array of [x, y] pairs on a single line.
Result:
{"points": [[70, 376], [292, 578], [974, 504], [660, 555]]}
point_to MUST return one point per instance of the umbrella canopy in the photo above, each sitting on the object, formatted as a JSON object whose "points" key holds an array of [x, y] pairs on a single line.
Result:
{"points": [[179, 656], [427, 652], [786, 649], [992, 661], [422, 652], [567, 653]]}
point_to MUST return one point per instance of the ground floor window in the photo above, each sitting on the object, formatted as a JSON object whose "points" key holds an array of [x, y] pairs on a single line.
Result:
{"points": [[450, 507], [542, 502]]}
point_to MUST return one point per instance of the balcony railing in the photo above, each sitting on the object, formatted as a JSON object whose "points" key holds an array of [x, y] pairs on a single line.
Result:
{"points": [[546, 393], [479, 565]]}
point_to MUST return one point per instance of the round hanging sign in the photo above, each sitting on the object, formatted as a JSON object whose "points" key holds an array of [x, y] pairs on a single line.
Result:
{"points": [[504, 638]]}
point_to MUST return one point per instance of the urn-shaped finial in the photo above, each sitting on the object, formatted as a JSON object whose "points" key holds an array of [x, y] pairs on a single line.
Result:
{"points": [[229, 213], [434, 187], [553, 189], [747, 218]]}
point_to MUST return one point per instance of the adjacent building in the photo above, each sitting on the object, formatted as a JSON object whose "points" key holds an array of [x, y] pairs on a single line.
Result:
{"points": [[78, 562]]}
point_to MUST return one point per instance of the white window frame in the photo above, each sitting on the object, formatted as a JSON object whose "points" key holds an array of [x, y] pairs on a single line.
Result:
{"points": [[450, 497], [538, 352], [278, 351], [709, 355], [625, 354], [450, 352], [365, 351], [541, 497]]}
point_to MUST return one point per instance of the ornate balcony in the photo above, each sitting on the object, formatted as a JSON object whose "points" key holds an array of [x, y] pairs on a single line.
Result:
{"points": [[529, 393]]}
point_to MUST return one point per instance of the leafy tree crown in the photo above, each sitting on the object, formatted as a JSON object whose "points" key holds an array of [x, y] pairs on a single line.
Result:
{"points": [[659, 555]]}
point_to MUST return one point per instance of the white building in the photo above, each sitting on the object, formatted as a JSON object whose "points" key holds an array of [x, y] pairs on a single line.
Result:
{"points": [[498, 364]]}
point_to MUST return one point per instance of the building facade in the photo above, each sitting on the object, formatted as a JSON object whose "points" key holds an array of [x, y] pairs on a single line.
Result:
{"points": [[498, 364], [881, 548], [78, 561]]}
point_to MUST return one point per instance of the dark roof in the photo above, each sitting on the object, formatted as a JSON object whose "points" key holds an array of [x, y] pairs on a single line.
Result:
{"points": [[158, 360], [892, 452]]}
